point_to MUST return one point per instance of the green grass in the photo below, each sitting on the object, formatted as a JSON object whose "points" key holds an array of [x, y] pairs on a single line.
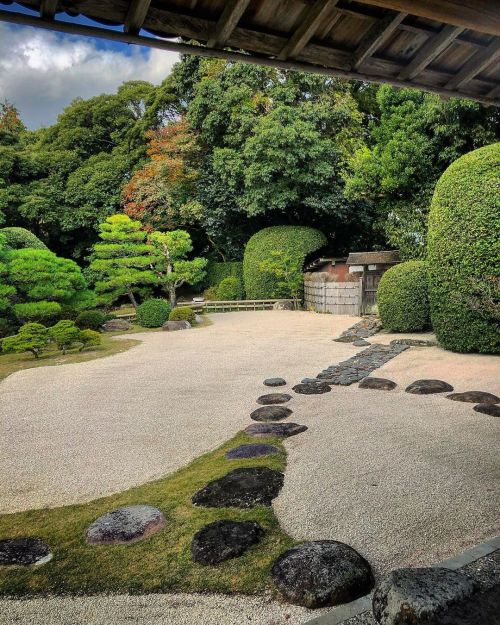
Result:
{"points": [[157, 564]]}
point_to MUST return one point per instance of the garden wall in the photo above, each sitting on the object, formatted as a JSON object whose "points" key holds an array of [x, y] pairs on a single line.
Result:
{"points": [[337, 298]]}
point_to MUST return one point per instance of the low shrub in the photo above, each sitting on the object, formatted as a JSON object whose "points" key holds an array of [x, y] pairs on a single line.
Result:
{"points": [[182, 313], [37, 312], [230, 289], [153, 313], [403, 297], [65, 334], [210, 294], [90, 320], [89, 338], [32, 337]]}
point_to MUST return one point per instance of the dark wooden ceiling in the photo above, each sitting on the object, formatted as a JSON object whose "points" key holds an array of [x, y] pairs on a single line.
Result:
{"points": [[451, 47]]}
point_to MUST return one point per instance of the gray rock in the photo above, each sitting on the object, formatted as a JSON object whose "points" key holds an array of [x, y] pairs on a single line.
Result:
{"points": [[312, 388], [270, 413], [275, 382], [173, 326], [378, 383], [475, 397], [361, 343], [241, 488], [420, 596], [427, 387], [125, 525], [282, 305], [281, 430], [223, 540], [252, 450], [274, 398], [24, 551], [414, 342], [116, 325], [321, 573], [490, 409], [198, 318]]}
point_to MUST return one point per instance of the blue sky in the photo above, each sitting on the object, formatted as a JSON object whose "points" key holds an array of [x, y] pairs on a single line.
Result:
{"points": [[41, 71]]}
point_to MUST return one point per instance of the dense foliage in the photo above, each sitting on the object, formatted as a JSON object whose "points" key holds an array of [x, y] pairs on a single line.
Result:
{"points": [[230, 289], [32, 337], [19, 238], [216, 272], [90, 320], [403, 297], [464, 253], [153, 313], [294, 241], [182, 313]]}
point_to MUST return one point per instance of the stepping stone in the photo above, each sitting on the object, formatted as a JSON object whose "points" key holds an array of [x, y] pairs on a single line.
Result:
{"points": [[321, 573], [420, 596], [426, 387], [282, 430], [275, 382], [378, 383], [241, 488], [361, 343], [270, 413], [173, 326], [316, 388], [24, 551], [274, 398], [309, 381], [475, 397], [490, 409], [251, 451], [125, 525], [223, 540], [116, 325]]}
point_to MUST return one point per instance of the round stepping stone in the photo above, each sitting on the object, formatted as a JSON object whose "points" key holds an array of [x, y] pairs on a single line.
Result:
{"points": [[427, 387], [241, 488], [317, 388], [491, 410], [419, 595], [270, 413], [282, 430], [275, 382], [378, 383], [223, 540], [251, 451], [321, 573], [475, 397], [125, 525], [24, 551], [361, 343], [274, 398]]}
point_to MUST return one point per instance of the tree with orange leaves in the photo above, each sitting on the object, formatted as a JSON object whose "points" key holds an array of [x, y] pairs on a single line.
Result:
{"points": [[11, 125]]}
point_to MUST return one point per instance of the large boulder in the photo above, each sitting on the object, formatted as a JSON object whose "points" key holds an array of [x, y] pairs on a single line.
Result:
{"points": [[125, 525], [320, 573], [223, 540], [24, 551], [173, 326], [283, 305], [281, 430], [241, 488], [116, 325], [420, 596], [270, 413]]}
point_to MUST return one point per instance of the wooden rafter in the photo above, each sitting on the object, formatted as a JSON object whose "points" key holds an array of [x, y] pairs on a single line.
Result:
{"points": [[230, 17], [430, 50], [306, 29], [48, 8], [136, 15], [378, 34], [479, 61]]}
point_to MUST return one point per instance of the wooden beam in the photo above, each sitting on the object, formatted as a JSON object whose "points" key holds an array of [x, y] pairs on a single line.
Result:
{"points": [[430, 50], [228, 21], [378, 34], [479, 61], [48, 8], [136, 15], [306, 29], [481, 15]]}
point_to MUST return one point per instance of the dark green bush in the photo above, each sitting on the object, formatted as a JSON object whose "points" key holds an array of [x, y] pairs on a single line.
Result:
{"points": [[216, 272], [295, 241], [182, 313], [90, 320], [403, 297], [43, 312], [464, 253], [230, 289], [19, 238], [153, 313]]}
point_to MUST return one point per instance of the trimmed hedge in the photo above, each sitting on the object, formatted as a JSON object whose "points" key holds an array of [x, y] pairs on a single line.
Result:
{"points": [[182, 313], [38, 312], [216, 272], [90, 320], [297, 241], [230, 289], [464, 253], [153, 313], [19, 238], [403, 297]]}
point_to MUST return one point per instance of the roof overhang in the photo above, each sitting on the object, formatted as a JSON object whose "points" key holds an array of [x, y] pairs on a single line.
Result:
{"points": [[451, 47]]}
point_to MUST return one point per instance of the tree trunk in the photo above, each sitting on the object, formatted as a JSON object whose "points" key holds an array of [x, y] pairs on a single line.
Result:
{"points": [[172, 296], [132, 299]]}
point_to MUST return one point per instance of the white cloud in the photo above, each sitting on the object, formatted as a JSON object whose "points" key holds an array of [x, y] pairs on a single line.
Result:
{"points": [[42, 72]]}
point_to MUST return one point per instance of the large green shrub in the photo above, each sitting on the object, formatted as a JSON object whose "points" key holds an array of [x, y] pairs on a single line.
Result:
{"points": [[294, 241], [65, 334], [153, 313], [89, 338], [230, 289], [32, 337], [464, 253], [37, 311], [90, 320], [182, 313], [217, 272], [403, 297], [19, 238]]}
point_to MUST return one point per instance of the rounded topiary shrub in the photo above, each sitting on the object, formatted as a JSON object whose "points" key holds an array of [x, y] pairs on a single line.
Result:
{"points": [[403, 297], [19, 238], [182, 313], [90, 320], [230, 289], [464, 253], [295, 241], [153, 313]]}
